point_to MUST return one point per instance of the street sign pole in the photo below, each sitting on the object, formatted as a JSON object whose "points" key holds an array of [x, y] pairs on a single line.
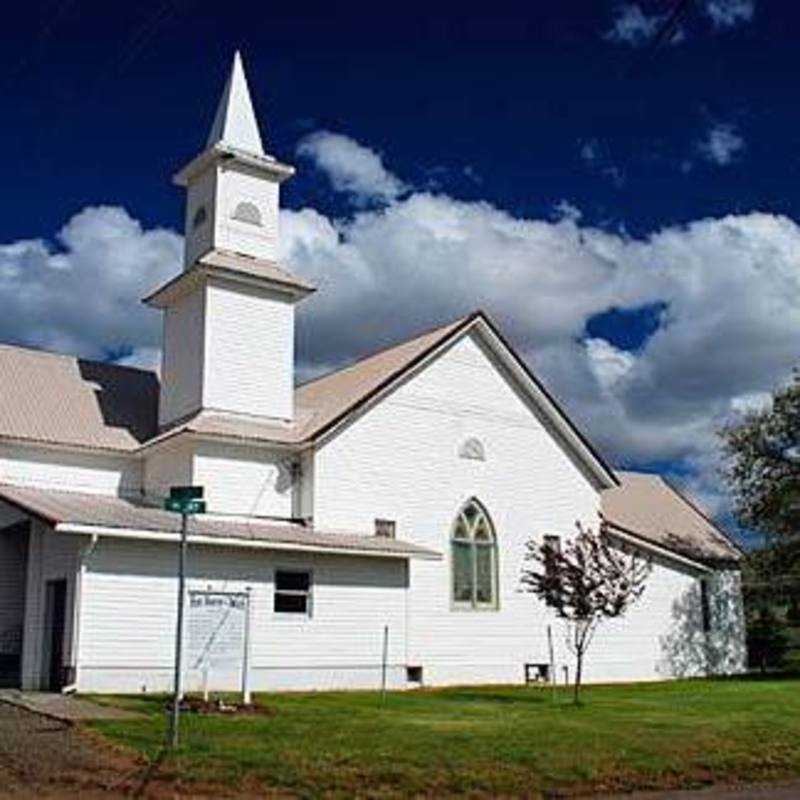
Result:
{"points": [[178, 681], [184, 500]]}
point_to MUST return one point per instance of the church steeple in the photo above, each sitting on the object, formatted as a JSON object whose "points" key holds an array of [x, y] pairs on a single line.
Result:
{"points": [[235, 122], [229, 316]]}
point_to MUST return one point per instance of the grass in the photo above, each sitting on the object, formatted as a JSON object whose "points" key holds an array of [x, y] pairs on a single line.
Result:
{"points": [[488, 741]]}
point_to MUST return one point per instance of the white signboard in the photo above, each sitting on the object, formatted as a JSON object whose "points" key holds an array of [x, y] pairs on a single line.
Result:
{"points": [[216, 630]]}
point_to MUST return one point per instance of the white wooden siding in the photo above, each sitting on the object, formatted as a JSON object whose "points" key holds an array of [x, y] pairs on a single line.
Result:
{"points": [[236, 184], [401, 461], [182, 358], [241, 480], [249, 365], [201, 193], [75, 472], [129, 602]]}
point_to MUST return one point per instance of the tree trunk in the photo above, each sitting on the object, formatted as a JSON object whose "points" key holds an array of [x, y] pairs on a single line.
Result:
{"points": [[578, 675]]}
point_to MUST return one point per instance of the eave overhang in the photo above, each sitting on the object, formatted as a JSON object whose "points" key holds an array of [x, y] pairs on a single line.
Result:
{"points": [[220, 153]]}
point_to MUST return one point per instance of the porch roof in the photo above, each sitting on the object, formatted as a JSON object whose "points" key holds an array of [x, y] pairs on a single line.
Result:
{"points": [[76, 512]]}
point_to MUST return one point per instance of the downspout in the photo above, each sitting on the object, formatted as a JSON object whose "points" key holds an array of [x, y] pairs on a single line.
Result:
{"points": [[77, 596]]}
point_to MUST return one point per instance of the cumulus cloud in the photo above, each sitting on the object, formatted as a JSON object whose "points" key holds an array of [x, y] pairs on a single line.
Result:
{"points": [[729, 13], [721, 144], [83, 295], [729, 286], [351, 167]]}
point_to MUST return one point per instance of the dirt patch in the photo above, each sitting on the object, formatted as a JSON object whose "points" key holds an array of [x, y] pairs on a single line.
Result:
{"points": [[43, 757], [196, 705]]}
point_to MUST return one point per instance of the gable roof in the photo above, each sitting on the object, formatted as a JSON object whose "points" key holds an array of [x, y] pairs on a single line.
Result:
{"points": [[649, 507], [63, 400]]}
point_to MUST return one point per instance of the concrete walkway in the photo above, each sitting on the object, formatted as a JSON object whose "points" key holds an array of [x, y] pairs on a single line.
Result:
{"points": [[62, 707]]}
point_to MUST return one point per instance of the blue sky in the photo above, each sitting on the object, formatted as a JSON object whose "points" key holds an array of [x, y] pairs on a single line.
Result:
{"points": [[627, 216]]}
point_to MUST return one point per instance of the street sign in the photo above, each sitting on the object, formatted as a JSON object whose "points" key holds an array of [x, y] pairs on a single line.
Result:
{"points": [[186, 492], [185, 500], [185, 506]]}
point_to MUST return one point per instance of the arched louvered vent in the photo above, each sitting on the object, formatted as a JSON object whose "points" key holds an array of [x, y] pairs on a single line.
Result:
{"points": [[247, 212], [472, 449]]}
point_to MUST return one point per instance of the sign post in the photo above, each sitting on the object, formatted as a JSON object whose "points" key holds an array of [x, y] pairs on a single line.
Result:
{"points": [[183, 500]]}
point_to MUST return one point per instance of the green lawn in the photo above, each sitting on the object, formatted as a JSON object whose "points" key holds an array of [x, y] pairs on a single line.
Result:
{"points": [[489, 741]]}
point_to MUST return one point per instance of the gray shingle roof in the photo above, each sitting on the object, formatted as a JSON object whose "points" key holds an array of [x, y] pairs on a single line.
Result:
{"points": [[647, 506], [320, 403], [58, 399], [55, 399], [102, 511]]}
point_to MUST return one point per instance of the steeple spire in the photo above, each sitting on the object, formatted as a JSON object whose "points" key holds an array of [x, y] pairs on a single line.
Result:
{"points": [[235, 123]]}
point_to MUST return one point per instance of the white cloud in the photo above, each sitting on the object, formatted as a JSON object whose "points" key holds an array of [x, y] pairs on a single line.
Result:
{"points": [[609, 364], [729, 13], [350, 166], [84, 296], [730, 330], [632, 26], [722, 144]]}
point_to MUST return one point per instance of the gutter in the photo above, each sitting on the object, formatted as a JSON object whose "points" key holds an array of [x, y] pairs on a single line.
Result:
{"points": [[218, 541]]}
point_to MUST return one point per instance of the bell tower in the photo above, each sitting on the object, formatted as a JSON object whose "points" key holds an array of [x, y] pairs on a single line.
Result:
{"points": [[229, 316], [233, 187]]}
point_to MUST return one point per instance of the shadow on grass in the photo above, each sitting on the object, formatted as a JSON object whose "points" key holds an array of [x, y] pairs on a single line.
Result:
{"points": [[756, 677], [539, 696]]}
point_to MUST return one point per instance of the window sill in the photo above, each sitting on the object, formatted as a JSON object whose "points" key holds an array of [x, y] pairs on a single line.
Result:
{"points": [[480, 609]]}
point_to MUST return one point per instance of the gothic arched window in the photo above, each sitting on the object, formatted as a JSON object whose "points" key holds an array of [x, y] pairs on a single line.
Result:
{"points": [[473, 547]]}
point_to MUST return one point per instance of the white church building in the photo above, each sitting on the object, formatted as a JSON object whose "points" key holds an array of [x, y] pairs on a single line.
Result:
{"points": [[372, 519]]}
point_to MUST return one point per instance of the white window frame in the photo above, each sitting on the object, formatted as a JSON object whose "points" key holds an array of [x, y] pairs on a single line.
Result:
{"points": [[474, 604]]}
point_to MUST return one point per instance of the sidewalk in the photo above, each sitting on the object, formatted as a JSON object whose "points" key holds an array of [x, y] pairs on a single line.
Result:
{"points": [[62, 707]]}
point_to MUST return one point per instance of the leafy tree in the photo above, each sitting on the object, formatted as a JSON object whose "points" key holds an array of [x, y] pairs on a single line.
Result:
{"points": [[762, 470], [586, 582], [767, 640], [763, 464]]}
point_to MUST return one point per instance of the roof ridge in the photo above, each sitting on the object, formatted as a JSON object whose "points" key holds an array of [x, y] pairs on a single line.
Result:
{"points": [[41, 351], [381, 351]]}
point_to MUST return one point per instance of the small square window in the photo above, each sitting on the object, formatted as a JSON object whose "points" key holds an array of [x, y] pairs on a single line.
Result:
{"points": [[414, 674], [292, 592]]}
